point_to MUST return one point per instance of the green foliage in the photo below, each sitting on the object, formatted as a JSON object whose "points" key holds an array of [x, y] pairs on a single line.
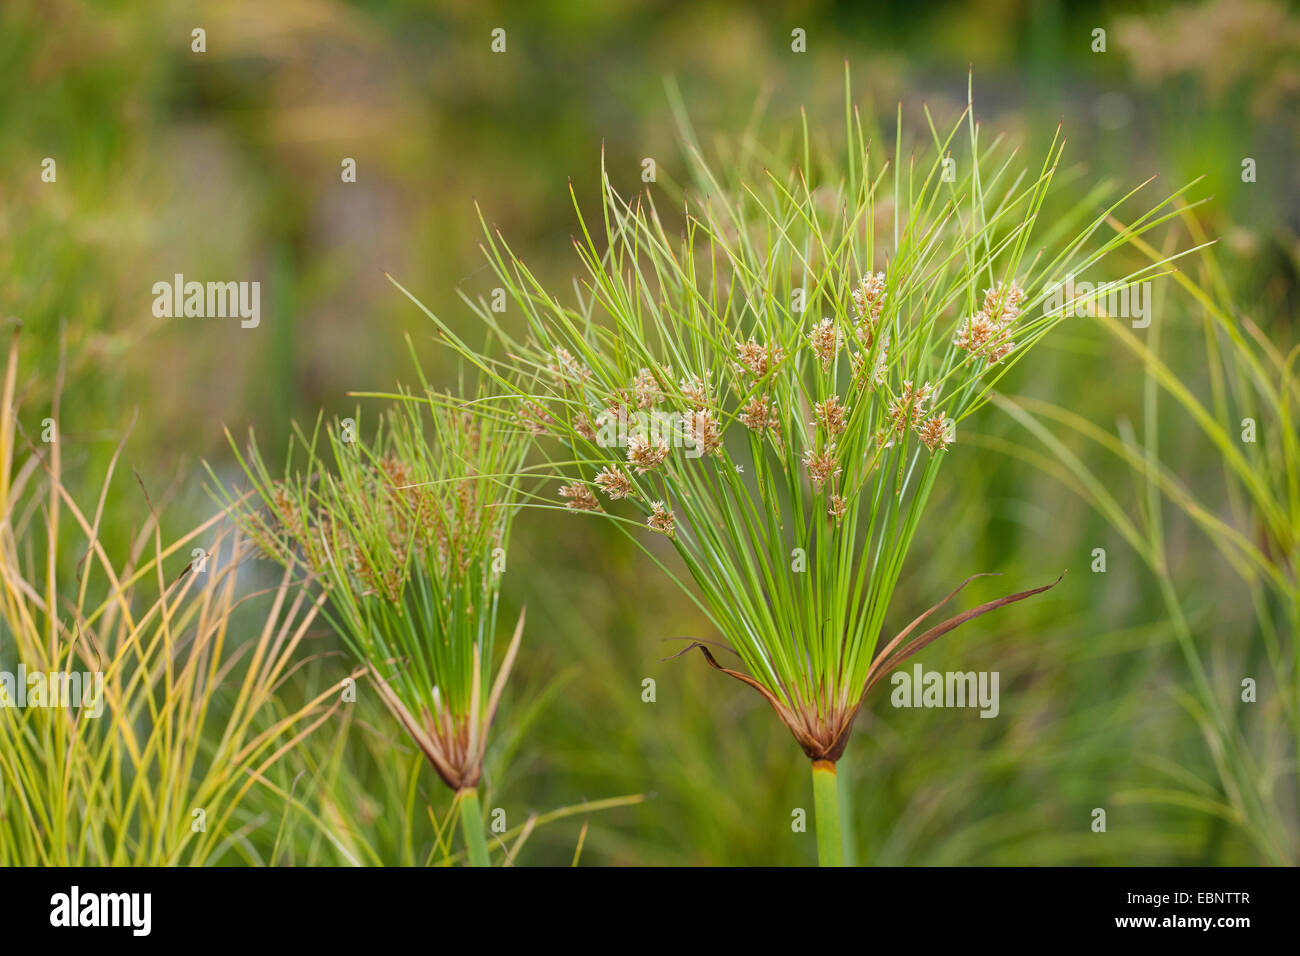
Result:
{"points": [[783, 415], [176, 721], [407, 534], [1258, 538]]}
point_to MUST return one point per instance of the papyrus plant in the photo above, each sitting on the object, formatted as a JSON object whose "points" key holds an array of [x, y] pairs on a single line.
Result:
{"points": [[772, 380], [406, 531]]}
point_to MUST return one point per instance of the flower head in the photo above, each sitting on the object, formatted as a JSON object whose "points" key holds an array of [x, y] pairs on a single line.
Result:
{"points": [[661, 519], [986, 337], [613, 482], [759, 415], [935, 432], [821, 465], [697, 391], [825, 341], [579, 497], [831, 415], [536, 418], [987, 333], [646, 453], [702, 431], [908, 409], [1002, 302], [757, 359], [566, 368], [646, 389], [584, 427], [858, 363], [869, 298]]}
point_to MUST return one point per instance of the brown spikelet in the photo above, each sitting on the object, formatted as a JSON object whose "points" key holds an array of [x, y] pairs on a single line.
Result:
{"points": [[759, 415], [646, 453], [661, 519], [614, 483], [579, 497], [822, 466], [702, 432], [934, 432], [825, 342], [831, 415]]}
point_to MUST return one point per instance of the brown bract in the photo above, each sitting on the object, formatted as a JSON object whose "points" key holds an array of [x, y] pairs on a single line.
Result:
{"points": [[823, 732], [454, 743]]}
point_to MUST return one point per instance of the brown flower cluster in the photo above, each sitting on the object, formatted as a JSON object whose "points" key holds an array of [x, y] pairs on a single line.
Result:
{"points": [[758, 359], [987, 333], [702, 431], [397, 518], [614, 483], [567, 369], [661, 519], [909, 407], [759, 415], [697, 391], [869, 299], [934, 432], [832, 415], [869, 304], [646, 452], [822, 466], [536, 418], [645, 387], [579, 497], [825, 341]]}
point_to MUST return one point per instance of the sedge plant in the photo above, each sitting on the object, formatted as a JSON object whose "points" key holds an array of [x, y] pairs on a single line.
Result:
{"points": [[139, 692], [1254, 528], [771, 383], [405, 533]]}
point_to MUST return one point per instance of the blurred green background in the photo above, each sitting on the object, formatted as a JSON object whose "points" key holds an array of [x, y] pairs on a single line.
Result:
{"points": [[226, 165]]}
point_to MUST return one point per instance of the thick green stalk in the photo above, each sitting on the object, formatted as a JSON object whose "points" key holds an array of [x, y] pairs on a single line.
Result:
{"points": [[850, 838], [826, 813], [471, 823]]}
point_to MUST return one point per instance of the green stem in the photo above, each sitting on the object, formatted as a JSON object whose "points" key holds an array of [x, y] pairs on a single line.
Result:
{"points": [[826, 813], [471, 823], [846, 813]]}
